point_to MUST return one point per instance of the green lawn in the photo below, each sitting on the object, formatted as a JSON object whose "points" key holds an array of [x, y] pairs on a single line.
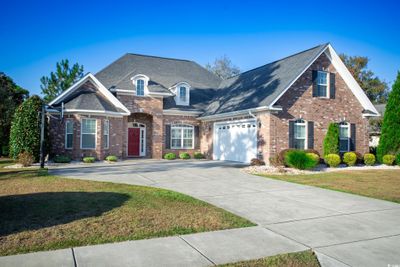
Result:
{"points": [[381, 184], [298, 259], [41, 212]]}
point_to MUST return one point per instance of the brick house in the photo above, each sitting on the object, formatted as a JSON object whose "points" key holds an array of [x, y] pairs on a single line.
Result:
{"points": [[146, 106]]}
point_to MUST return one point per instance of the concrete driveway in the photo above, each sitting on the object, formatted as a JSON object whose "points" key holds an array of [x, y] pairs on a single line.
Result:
{"points": [[353, 230]]}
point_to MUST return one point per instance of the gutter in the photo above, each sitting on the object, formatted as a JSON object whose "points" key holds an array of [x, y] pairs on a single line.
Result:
{"points": [[238, 113]]}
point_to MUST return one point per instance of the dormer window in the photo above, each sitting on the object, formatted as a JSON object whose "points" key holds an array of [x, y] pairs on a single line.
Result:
{"points": [[140, 87], [140, 82], [182, 94]]}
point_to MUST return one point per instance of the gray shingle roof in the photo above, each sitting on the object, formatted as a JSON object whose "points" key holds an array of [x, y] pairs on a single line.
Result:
{"points": [[89, 98], [260, 86]]}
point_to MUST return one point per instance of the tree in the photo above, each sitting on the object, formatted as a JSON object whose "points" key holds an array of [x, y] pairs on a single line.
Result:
{"points": [[331, 140], [375, 89], [62, 79], [11, 96], [25, 128], [223, 67], [389, 142]]}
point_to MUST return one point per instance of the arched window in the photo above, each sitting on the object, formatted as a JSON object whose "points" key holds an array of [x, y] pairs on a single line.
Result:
{"points": [[140, 87], [182, 93], [344, 136], [182, 136], [300, 134]]}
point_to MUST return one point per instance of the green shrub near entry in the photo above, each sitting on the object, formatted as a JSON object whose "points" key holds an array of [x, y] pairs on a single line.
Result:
{"points": [[333, 160], [313, 155], [369, 159], [89, 159], [25, 158], [198, 155], [398, 159], [331, 140], [170, 156], [112, 158], [280, 160], [62, 159], [184, 155], [300, 160], [388, 159], [350, 158]]}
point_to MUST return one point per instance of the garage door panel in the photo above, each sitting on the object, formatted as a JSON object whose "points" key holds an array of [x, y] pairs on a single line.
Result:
{"points": [[236, 141]]}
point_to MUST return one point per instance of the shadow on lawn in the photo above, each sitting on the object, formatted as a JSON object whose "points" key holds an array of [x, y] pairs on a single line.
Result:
{"points": [[35, 211]]}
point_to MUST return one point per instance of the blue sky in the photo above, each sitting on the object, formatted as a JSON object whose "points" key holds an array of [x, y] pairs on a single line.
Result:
{"points": [[37, 34]]}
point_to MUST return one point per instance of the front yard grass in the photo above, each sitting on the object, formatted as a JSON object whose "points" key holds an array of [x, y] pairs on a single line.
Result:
{"points": [[42, 212], [298, 259], [381, 184]]}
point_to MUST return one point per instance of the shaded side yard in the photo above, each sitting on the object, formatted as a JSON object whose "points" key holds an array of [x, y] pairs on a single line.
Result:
{"points": [[298, 259], [41, 212], [380, 184]]}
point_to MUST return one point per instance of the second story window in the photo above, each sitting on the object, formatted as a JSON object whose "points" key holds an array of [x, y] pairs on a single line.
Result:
{"points": [[182, 94], [322, 84], [140, 87]]}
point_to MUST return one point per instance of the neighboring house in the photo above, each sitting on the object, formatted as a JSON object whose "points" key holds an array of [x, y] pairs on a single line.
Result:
{"points": [[146, 106], [375, 125]]}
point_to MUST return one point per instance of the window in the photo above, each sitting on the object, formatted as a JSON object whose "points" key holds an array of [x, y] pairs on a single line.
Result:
{"points": [[182, 94], [69, 134], [88, 134], [300, 134], [181, 136], [322, 84], [106, 134], [140, 87], [344, 137]]}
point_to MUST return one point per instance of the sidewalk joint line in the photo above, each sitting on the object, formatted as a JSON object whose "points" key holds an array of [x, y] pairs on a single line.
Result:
{"points": [[73, 257], [357, 241], [202, 254], [326, 255]]}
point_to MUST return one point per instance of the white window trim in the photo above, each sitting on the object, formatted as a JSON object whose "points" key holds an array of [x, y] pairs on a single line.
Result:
{"points": [[95, 134], [345, 125], [182, 127], [146, 82], [304, 123], [177, 89], [66, 134], [108, 134], [327, 84]]}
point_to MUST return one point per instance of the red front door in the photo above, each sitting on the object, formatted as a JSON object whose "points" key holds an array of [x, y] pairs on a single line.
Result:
{"points": [[133, 141]]}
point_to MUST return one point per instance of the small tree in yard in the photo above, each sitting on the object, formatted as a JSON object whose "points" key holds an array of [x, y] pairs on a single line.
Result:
{"points": [[25, 128], [331, 141], [389, 143]]}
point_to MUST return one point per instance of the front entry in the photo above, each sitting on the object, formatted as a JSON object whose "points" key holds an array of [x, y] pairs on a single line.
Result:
{"points": [[137, 140]]}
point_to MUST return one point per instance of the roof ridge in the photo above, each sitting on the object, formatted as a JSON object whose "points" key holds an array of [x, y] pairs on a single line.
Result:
{"points": [[167, 58], [295, 54]]}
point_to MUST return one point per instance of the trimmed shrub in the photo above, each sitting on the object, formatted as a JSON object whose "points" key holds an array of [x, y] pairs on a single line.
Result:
{"points": [[88, 159], [198, 155], [333, 160], [300, 160], [5, 151], [256, 162], [274, 161], [313, 155], [313, 151], [398, 159], [170, 156], [112, 158], [331, 140], [62, 159], [369, 159], [25, 158], [184, 155], [350, 158], [389, 142], [388, 159], [25, 128], [282, 155]]}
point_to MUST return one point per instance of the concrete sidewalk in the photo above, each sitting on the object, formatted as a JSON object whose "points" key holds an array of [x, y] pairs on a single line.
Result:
{"points": [[203, 249]]}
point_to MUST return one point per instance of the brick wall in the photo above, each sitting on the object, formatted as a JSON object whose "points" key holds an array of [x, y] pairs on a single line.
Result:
{"points": [[298, 102]]}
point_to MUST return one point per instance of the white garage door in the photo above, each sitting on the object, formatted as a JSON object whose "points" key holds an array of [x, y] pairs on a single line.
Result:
{"points": [[235, 140]]}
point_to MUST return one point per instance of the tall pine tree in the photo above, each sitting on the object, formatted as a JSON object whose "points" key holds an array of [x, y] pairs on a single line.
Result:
{"points": [[389, 143]]}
